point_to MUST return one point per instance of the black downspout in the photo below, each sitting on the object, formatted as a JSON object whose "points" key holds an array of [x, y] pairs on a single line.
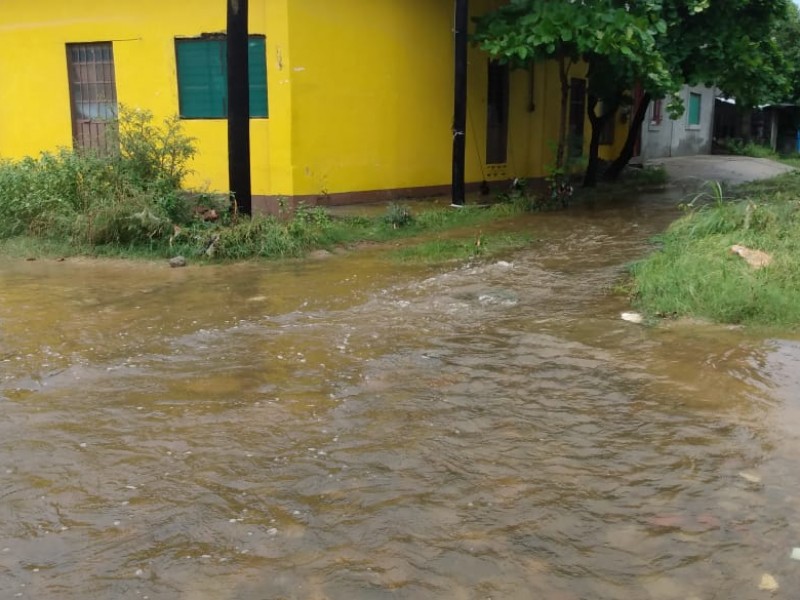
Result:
{"points": [[460, 103], [239, 107]]}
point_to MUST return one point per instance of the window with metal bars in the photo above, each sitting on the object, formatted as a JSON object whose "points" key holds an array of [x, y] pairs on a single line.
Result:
{"points": [[658, 112], [93, 93]]}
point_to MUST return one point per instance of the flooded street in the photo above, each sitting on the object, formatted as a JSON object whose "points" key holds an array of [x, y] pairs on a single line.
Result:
{"points": [[358, 428]]}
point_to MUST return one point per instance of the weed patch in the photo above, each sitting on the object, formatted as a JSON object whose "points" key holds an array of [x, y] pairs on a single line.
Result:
{"points": [[694, 273], [647, 177], [127, 197], [461, 248], [130, 203], [745, 148]]}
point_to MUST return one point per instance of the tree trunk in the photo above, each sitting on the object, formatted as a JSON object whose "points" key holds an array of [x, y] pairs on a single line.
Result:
{"points": [[626, 154], [598, 124]]}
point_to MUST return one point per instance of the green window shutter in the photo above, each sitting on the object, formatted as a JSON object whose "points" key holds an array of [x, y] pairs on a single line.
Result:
{"points": [[257, 65], [202, 78], [695, 101], [202, 89]]}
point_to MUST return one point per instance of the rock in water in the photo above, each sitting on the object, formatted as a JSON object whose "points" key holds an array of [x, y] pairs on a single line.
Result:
{"points": [[751, 477], [177, 261], [768, 583], [755, 258], [632, 317]]}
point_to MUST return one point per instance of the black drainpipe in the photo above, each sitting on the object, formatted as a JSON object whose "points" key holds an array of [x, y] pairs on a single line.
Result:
{"points": [[460, 100], [239, 107]]}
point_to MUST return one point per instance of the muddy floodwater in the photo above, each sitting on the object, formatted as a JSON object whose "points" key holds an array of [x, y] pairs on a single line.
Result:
{"points": [[356, 428]]}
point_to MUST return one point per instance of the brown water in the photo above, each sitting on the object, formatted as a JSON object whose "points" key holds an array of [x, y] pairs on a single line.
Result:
{"points": [[352, 428]]}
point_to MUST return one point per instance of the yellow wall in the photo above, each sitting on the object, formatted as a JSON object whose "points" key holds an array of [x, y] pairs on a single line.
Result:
{"points": [[373, 98], [360, 93], [34, 96], [621, 123], [372, 85]]}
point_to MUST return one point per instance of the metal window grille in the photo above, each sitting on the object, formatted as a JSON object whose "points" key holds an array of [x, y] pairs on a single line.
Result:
{"points": [[93, 93], [658, 112]]}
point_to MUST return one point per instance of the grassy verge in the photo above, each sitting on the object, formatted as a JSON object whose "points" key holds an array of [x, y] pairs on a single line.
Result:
{"points": [[129, 203], [307, 229], [461, 248], [289, 235], [742, 148], [792, 161], [694, 273], [647, 177]]}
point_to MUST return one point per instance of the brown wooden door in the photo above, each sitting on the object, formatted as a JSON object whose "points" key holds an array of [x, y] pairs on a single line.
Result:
{"points": [[93, 93]]}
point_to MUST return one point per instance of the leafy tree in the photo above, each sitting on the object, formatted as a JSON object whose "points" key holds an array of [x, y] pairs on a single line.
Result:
{"points": [[613, 75], [726, 43], [618, 43], [787, 40]]}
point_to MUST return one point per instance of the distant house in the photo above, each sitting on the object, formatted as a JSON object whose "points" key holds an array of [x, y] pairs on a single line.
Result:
{"points": [[687, 135], [773, 125], [350, 100], [781, 125]]}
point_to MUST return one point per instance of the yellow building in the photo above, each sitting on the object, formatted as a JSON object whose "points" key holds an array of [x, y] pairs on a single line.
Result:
{"points": [[350, 100]]}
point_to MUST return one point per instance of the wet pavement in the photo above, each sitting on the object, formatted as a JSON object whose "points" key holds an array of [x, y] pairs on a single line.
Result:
{"points": [[357, 428], [691, 171]]}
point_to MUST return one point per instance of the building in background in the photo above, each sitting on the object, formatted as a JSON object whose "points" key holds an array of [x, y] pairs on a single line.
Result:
{"points": [[350, 100], [689, 134]]}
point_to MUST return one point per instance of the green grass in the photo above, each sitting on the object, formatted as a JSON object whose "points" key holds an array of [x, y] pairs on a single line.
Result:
{"points": [[27, 247], [695, 274], [646, 177], [461, 248], [129, 204], [289, 235], [793, 160], [739, 147], [742, 148]]}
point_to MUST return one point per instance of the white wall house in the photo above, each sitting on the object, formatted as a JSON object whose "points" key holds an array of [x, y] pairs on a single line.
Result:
{"points": [[689, 134]]}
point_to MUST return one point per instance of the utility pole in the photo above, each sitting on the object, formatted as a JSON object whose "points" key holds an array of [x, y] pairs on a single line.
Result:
{"points": [[239, 106], [461, 31]]}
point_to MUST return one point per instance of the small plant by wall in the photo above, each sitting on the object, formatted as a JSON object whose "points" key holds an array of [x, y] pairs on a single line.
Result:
{"points": [[398, 215]]}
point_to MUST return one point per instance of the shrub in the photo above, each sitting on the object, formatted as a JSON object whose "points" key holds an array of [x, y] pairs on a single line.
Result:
{"points": [[740, 147], [132, 195], [648, 176], [268, 236]]}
